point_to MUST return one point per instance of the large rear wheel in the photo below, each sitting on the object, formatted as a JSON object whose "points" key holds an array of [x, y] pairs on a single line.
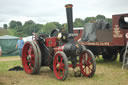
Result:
{"points": [[110, 55], [39, 58], [87, 63], [31, 58], [60, 65]]}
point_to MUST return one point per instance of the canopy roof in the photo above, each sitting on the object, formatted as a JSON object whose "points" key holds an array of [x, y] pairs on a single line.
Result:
{"points": [[8, 37]]}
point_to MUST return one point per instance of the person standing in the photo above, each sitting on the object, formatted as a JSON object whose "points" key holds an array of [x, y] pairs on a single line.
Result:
{"points": [[19, 45]]}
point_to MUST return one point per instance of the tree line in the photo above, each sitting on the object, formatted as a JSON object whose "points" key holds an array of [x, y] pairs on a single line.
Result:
{"points": [[16, 28]]}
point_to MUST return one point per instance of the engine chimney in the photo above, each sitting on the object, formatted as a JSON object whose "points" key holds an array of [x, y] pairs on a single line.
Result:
{"points": [[69, 17]]}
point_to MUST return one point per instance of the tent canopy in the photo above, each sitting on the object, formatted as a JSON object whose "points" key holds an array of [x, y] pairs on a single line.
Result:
{"points": [[8, 37], [8, 45]]}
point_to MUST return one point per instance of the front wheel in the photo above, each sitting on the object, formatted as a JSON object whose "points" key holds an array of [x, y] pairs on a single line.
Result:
{"points": [[60, 65], [87, 63], [31, 58]]}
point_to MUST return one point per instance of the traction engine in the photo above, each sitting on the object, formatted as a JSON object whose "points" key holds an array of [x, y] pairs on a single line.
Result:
{"points": [[59, 52]]}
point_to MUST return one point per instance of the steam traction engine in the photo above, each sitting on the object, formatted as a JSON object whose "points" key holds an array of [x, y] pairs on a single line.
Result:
{"points": [[59, 53]]}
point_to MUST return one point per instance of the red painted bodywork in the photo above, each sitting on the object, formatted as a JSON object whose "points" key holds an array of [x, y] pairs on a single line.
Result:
{"points": [[79, 32], [51, 41], [118, 41]]}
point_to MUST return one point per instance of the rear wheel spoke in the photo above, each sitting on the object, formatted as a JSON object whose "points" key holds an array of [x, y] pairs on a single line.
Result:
{"points": [[30, 50], [61, 59], [89, 59], [89, 69]]}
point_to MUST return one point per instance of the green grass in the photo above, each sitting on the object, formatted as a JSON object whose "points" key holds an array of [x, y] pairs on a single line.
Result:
{"points": [[5, 65], [107, 73]]}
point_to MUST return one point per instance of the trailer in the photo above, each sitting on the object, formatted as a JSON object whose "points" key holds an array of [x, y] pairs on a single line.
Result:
{"points": [[110, 42]]}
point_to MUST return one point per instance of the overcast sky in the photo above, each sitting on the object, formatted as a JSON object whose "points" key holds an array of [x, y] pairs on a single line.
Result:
{"points": [[42, 11]]}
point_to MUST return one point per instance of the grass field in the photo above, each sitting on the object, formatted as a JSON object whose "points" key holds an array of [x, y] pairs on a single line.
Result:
{"points": [[107, 73]]}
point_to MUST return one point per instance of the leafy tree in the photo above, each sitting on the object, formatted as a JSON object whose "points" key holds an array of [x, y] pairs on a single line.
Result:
{"points": [[29, 22], [100, 17], [15, 24], [5, 26], [16, 28], [109, 20], [78, 22], [89, 19], [19, 24], [12, 24], [30, 27], [59, 26], [47, 28]]}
